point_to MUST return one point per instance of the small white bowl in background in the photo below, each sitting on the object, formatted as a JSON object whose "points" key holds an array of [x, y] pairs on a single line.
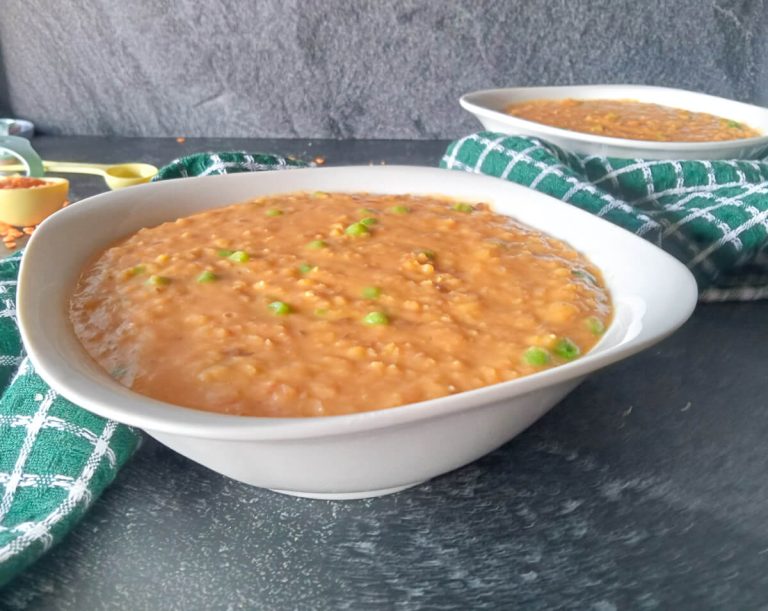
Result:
{"points": [[350, 456], [489, 106]]}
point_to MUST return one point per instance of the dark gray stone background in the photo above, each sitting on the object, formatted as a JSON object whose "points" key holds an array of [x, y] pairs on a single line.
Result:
{"points": [[351, 69]]}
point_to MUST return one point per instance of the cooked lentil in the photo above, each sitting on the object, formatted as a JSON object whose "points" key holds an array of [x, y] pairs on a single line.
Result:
{"points": [[221, 311], [633, 120]]}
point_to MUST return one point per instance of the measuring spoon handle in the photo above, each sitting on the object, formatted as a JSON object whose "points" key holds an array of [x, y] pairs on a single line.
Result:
{"points": [[76, 168]]}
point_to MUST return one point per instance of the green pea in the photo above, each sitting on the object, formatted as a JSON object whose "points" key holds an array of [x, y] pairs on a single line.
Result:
{"points": [[118, 372], [317, 244], [368, 221], [274, 212], [367, 211], [376, 318], [137, 270], [280, 308], [155, 280], [584, 275], [463, 207], [321, 311], [371, 292], [595, 325], [536, 356], [223, 252], [429, 254], [734, 124], [305, 268], [239, 256], [399, 209], [356, 230], [566, 349], [207, 276]]}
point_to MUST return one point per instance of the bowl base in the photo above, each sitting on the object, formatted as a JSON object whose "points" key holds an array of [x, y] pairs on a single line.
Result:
{"points": [[346, 496]]}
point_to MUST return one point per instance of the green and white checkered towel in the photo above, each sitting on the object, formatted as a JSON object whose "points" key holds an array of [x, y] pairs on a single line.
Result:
{"points": [[55, 457], [231, 162], [712, 215]]}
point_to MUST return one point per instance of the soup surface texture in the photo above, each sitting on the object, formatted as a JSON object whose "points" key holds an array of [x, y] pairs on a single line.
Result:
{"points": [[311, 304], [632, 120]]}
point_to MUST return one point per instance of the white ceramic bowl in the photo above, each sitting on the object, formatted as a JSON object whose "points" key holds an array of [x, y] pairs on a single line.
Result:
{"points": [[488, 106], [349, 456]]}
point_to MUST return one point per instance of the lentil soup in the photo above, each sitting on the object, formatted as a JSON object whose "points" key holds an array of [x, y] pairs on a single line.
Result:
{"points": [[633, 120], [311, 304]]}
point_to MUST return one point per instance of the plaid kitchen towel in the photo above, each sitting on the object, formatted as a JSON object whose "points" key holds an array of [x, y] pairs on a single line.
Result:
{"points": [[230, 162], [55, 457], [712, 215]]}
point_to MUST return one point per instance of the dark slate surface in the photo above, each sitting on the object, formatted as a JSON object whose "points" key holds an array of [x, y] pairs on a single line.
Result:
{"points": [[346, 68], [646, 488]]}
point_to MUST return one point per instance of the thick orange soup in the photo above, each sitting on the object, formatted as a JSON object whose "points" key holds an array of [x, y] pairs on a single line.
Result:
{"points": [[312, 304], [632, 120]]}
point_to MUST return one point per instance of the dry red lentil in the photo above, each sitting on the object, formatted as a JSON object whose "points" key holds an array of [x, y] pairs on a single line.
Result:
{"points": [[21, 182]]}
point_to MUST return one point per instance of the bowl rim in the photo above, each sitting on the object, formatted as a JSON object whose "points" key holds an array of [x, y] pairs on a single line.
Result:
{"points": [[184, 421], [473, 103]]}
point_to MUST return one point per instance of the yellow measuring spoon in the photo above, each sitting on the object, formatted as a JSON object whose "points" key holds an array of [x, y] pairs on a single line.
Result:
{"points": [[117, 176]]}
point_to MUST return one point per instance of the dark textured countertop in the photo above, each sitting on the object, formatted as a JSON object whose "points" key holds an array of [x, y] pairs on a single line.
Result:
{"points": [[646, 488]]}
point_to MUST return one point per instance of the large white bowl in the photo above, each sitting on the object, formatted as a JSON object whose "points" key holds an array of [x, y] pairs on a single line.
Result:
{"points": [[350, 456], [488, 106]]}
